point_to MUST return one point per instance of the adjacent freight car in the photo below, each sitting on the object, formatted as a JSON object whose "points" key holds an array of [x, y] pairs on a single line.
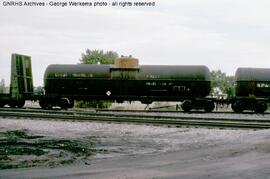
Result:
{"points": [[252, 91], [126, 80], [21, 82]]}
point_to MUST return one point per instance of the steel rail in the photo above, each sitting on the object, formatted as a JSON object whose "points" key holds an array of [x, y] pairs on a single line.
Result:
{"points": [[174, 116], [145, 119], [134, 110]]}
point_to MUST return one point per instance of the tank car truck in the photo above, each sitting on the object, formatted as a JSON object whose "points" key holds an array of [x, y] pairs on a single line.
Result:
{"points": [[126, 80], [252, 90], [21, 82]]}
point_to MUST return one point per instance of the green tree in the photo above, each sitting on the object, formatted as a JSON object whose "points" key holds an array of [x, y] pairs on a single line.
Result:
{"points": [[223, 82], [96, 57], [39, 90]]}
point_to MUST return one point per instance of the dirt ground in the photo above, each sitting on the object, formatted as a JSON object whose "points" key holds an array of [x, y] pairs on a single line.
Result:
{"points": [[61, 149]]}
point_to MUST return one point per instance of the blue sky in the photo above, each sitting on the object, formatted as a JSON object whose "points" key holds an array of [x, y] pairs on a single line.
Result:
{"points": [[223, 34]]}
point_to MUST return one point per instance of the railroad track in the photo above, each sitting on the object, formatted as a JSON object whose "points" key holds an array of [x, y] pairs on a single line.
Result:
{"points": [[220, 111], [207, 120]]}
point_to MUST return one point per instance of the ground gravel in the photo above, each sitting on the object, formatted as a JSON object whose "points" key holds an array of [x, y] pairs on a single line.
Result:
{"points": [[140, 151]]}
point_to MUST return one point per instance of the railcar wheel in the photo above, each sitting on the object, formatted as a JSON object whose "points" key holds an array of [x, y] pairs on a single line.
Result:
{"points": [[209, 106], [121, 101], [44, 104], [71, 103], [20, 104], [232, 106], [146, 101], [2, 105], [260, 107], [12, 104], [238, 106], [16, 104], [64, 103], [186, 105]]}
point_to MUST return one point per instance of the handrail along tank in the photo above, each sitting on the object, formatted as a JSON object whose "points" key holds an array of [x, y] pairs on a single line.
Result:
{"points": [[126, 80]]}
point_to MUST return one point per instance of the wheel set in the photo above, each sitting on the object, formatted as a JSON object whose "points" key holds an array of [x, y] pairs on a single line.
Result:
{"points": [[49, 103], [256, 106], [206, 105]]}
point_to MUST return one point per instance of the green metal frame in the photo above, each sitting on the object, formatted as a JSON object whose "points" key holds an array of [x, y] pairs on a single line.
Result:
{"points": [[21, 83]]}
